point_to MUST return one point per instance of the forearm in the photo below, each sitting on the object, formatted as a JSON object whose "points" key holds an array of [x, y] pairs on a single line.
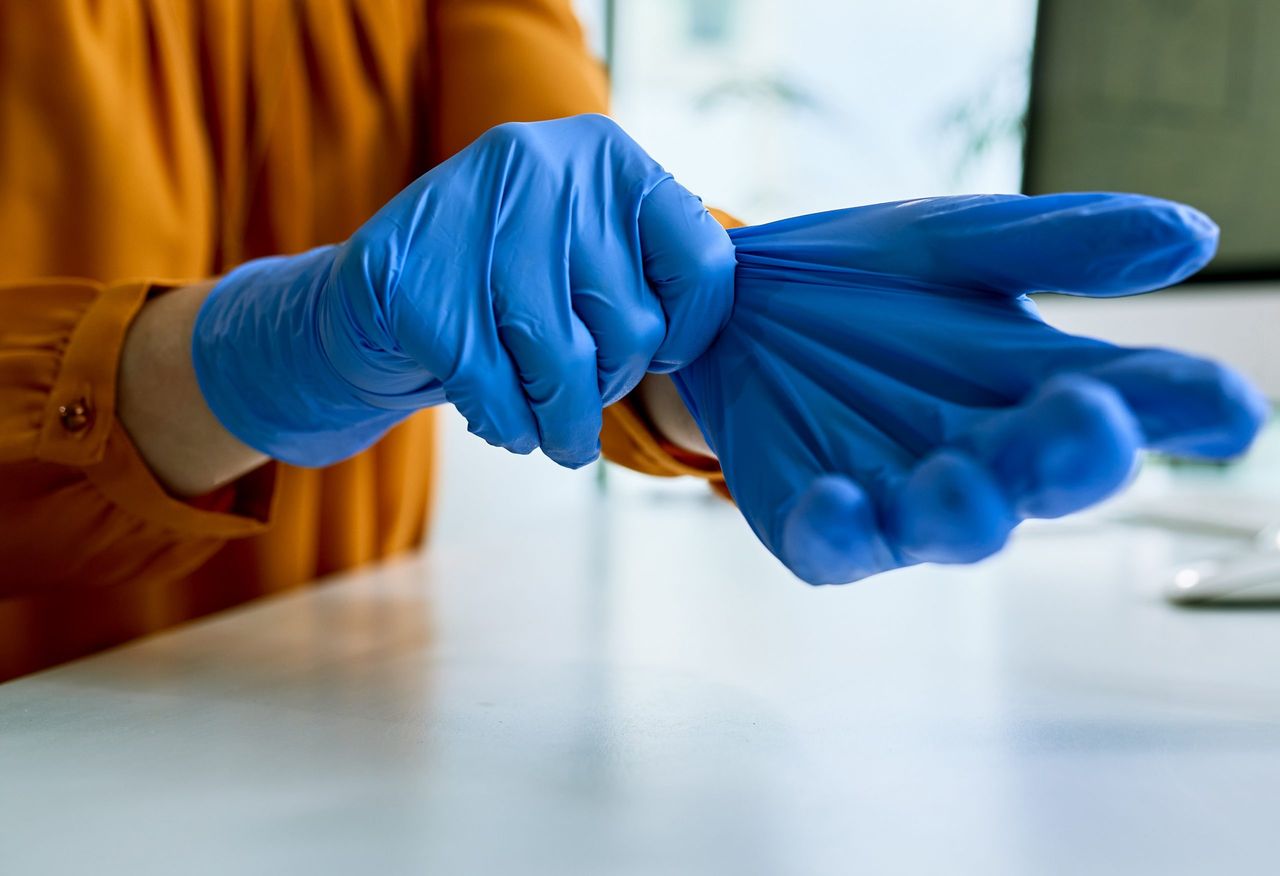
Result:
{"points": [[162, 408]]}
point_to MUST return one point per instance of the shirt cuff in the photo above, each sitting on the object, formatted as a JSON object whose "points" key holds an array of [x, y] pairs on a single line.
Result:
{"points": [[79, 427], [630, 440]]}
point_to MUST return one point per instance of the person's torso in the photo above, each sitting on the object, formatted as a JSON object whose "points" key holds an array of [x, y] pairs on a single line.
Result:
{"points": [[173, 140]]}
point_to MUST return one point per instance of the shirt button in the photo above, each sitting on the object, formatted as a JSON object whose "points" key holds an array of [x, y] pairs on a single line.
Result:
{"points": [[76, 415]]}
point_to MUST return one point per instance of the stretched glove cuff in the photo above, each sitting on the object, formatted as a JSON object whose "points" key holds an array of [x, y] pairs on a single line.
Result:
{"points": [[265, 373]]}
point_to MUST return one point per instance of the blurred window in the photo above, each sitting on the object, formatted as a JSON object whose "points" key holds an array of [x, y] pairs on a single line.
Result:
{"points": [[776, 107]]}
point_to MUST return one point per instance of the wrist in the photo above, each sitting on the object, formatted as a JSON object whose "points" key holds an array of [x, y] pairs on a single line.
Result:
{"points": [[161, 407], [666, 411]]}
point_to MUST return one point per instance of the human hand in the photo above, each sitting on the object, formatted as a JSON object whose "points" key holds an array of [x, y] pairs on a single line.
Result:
{"points": [[530, 280]]}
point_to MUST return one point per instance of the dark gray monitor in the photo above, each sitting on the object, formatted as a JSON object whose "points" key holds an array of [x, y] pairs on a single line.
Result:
{"points": [[1177, 98]]}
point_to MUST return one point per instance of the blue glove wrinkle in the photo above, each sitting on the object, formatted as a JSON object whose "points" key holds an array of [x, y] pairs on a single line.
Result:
{"points": [[810, 443], [355, 340], [884, 393], [270, 307], [911, 418], [928, 365]]}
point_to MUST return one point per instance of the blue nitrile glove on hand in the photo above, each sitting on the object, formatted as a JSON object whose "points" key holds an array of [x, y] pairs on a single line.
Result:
{"points": [[530, 280], [885, 394]]}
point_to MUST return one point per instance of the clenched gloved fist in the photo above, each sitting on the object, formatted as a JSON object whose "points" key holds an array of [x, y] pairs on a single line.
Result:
{"points": [[530, 280]]}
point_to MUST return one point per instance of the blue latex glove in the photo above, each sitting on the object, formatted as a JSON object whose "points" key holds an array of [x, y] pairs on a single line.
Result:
{"points": [[530, 280], [885, 394]]}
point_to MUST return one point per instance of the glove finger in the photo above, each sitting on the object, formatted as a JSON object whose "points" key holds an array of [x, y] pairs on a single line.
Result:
{"points": [[461, 348], [829, 534], [555, 358], [1186, 405], [617, 306], [488, 395], [949, 510], [1071, 445], [689, 264], [821, 525], [625, 333], [1098, 244]]}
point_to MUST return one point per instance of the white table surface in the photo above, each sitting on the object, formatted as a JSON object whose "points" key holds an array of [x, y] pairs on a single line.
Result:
{"points": [[627, 684]]}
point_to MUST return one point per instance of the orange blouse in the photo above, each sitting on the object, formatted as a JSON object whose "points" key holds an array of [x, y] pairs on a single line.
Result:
{"points": [[147, 143]]}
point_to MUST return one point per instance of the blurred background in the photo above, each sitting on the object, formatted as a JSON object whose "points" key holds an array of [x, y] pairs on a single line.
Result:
{"points": [[770, 109]]}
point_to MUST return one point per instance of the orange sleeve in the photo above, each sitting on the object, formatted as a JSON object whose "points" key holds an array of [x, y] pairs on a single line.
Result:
{"points": [[76, 501], [109, 177], [498, 61]]}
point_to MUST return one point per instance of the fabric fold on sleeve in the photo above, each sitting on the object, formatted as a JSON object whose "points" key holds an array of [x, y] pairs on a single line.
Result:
{"points": [[71, 480]]}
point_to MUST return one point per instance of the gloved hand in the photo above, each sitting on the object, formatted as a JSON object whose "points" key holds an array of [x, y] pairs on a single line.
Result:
{"points": [[885, 393], [530, 280]]}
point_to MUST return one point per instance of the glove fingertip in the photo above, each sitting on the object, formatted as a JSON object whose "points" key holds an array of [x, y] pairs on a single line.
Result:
{"points": [[829, 534], [1071, 446], [1184, 241], [521, 444], [950, 510], [1243, 411], [572, 463], [1187, 405]]}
